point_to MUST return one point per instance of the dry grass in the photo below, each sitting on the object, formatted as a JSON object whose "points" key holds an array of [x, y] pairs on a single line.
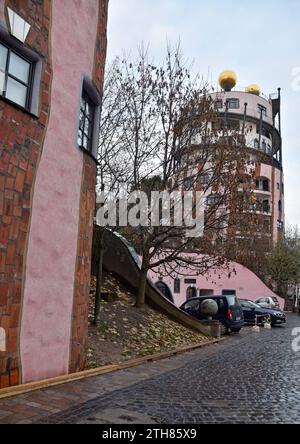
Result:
{"points": [[126, 331]]}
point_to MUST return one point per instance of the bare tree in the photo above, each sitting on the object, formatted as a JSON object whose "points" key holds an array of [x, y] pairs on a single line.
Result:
{"points": [[161, 131]]}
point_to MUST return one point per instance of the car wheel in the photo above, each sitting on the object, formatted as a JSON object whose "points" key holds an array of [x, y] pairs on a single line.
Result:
{"points": [[225, 330], [236, 330]]}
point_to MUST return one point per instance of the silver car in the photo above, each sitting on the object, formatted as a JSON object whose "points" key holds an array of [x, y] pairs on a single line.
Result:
{"points": [[268, 302]]}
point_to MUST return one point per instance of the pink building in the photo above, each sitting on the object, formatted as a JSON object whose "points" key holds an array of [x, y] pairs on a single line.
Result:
{"points": [[52, 56], [236, 279], [257, 118]]}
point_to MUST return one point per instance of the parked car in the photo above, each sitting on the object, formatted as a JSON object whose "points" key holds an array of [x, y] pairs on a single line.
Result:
{"points": [[268, 302], [251, 309], [230, 312]]}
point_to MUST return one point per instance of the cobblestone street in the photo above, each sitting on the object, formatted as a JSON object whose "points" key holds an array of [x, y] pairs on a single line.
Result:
{"points": [[248, 378]]}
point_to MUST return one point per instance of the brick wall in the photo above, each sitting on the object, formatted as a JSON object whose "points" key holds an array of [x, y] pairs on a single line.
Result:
{"points": [[21, 142], [87, 207]]}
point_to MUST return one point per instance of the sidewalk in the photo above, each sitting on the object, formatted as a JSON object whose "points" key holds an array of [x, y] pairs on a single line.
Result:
{"points": [[44, 404]]}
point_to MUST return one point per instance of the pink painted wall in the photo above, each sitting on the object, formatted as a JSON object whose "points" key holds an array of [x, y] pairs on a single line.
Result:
{"points": [[52, 246], [252, 100], [246, 283]]}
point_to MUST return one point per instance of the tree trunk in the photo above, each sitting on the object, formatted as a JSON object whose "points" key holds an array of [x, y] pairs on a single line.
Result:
{"points": [[96, 320], [140, 300]]}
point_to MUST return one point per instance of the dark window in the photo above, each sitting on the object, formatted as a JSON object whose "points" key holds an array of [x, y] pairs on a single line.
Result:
{"points": [[266, 206], [218, 104], [203, 179], [86, 122], [280, 206], [264, 146], [262, 109], [233, 103], [15, 76], [228, 292], [280, 225], [188, 183], [265, 185], [194, 305], [190, 281], [221, 124], [205, 292], [177, 286], [212, 199]]}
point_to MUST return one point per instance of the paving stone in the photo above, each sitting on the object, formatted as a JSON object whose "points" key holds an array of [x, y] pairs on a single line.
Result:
{"points": [[249, 378]]}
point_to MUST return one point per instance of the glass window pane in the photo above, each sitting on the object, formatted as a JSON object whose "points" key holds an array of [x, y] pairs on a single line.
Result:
{"points": [[2, 82], [16, 92], [87, 127], [79, 138], [81, 120], [3, 57], [18, 67]]}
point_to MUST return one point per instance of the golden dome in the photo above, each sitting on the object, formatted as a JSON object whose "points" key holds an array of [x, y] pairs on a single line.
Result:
{"points": [[253, 89], [227, 80]]}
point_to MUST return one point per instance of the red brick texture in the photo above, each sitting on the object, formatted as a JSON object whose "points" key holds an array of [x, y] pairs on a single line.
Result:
{"points": [[87, 208], [21, 142]]}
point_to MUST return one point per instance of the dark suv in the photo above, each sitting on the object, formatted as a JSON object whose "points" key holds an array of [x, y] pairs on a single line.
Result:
{"points": [[230, 312]]}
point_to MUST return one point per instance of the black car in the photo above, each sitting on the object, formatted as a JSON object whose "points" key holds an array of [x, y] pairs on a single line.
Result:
{"points": [[251, 309], [230, 312]]}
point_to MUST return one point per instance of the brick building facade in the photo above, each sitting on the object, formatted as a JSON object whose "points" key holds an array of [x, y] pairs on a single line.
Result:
{"points": [[52, 57]]}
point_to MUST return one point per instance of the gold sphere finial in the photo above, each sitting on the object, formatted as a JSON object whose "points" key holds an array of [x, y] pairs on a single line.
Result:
{"points": [[253, 89], [227, 80]]}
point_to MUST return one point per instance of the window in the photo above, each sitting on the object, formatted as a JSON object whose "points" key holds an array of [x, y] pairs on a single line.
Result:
{"points": [[177, 285], [266, 206], [188, 183], [278, 186], [279, 206], [212, 199], [256, 144], [205, 292], [280, 225], [264, 146], [190, 281], [203, 179], [233, 103], [228, 292], [15, 76], [86, 122], [262, 109], [265, 185], [218, 104], [192, 305]]}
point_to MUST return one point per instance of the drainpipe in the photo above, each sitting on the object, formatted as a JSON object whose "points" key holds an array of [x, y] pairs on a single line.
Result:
{"points": [[260, 129], [244, 121]]}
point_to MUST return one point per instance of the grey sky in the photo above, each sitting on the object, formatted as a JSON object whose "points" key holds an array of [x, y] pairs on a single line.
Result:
{"points": [[258, 39]]}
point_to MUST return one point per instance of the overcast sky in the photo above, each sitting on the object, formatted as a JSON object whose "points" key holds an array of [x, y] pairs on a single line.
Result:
{"points": [[258, 39]]}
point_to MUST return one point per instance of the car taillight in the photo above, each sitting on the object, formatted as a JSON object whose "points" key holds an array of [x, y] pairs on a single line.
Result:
{"points": [[229, 313]]}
